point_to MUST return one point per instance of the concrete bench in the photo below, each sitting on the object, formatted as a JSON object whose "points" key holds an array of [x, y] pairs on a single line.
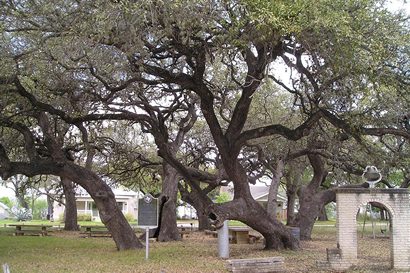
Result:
{"points": [[184, 232], [95, 231], [29, 229], [32, 232], [211, 232], [256, 265]]}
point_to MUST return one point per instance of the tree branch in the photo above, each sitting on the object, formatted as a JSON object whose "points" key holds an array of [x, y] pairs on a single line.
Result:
{"points": [[278, 129]]}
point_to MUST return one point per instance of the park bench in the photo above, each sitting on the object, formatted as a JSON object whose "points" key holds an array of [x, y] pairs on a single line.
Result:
{"points": [[34, 230], [256, 265], [95, 231], [253, 238], [211, 232], [239, 235], [182, 231]]}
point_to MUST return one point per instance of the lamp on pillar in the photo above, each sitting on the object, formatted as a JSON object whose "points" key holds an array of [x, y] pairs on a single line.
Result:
{"points": [[371, 175]]}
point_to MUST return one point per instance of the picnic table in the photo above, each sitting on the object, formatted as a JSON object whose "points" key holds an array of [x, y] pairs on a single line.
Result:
{"points": [[31, 229], [95, 231], [239, 235]]}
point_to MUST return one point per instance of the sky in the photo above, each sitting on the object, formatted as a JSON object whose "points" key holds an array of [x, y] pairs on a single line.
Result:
{"points": [[6, 192], [399, 4]]}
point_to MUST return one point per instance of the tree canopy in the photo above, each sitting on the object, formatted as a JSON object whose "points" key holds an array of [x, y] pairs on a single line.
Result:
{"points": [[173, 66]]}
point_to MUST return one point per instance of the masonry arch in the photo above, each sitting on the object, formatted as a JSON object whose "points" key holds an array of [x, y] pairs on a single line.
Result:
{"points": [[374, 238], [348, 201]]}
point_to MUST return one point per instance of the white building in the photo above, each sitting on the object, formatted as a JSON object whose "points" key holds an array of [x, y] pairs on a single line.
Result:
{"points": [[260, 194], [127, 200]]}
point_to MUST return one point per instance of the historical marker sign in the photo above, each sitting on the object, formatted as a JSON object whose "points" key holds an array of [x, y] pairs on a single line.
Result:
{"points": [[148, 211]]}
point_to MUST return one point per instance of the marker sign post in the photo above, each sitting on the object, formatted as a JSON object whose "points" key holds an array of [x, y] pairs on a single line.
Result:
{"points": [[147, 217]]}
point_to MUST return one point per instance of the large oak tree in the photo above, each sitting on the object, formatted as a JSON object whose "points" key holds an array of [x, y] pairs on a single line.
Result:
{"points": [[338, 52]]}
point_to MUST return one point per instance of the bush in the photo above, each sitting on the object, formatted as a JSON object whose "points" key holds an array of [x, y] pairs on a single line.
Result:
{"points": [[223, 197], [6, 201], [84, 217], [129, 216], [40, 209], [20, 214], [61, 217]]}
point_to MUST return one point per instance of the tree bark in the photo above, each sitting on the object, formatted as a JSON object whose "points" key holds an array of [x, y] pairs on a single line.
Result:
{"points": [[277, 173], [104, 198], [194, 200], [110, 214], [290, 212], [310, 207], [50, 208], [311, 201], [203, 220], [70, 215], [245, 209], [322, 214], [20, 191], [292, 184], [169, 229], [22, 201]]}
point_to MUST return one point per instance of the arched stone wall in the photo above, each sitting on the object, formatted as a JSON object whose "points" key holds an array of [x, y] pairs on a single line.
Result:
{"points": [[348, 201]]}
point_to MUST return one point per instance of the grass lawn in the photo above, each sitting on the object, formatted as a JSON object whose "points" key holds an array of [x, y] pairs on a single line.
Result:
{"points": [[67, 252]]}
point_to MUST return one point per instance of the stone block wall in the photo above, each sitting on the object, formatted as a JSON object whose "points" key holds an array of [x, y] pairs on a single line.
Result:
{"points": [[396, 201]]}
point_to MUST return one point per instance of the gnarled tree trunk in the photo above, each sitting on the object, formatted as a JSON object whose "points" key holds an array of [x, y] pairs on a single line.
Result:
{"points": [[104, 198], [195, 200], [169, 230], [277, 173], [70, 215], [50, 208], [245, 209], [290, 212], [311, 200], [310, 206], [322, 215]]}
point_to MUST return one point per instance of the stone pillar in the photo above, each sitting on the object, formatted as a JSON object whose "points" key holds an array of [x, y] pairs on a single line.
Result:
{"points": [[396, 201], [400, 232], [346, 229]]}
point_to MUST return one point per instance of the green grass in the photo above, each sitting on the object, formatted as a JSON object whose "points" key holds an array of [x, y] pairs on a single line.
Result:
{"points": [[55, 223], [74, 254], [67, 252]]}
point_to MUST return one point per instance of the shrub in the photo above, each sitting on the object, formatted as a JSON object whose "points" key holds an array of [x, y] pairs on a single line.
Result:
{"points": [[61, 217], [129, 216], [84, 217], [6, 201], [20, 214], [222, 198], [40, 209]]}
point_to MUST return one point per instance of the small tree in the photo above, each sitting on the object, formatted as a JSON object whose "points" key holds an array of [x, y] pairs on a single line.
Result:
{"points": [[223, 197], [39, 209], [6, 201]]}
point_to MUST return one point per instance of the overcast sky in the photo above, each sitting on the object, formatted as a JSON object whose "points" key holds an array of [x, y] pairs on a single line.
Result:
{"points": [[6, 192]]}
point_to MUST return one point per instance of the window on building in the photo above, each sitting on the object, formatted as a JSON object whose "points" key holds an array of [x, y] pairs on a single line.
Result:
{"points": [[122, 206]]}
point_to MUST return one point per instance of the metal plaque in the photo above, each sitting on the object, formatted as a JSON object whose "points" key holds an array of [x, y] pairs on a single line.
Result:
{"points": [[148, 211]]}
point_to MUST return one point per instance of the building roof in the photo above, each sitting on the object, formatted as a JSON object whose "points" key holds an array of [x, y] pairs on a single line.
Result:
{"points": [[259, 193]]}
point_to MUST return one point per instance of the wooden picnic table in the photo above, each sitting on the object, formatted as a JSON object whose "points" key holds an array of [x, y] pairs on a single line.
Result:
{"points": [[240, 235], [30, 229], [96, 231]]}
